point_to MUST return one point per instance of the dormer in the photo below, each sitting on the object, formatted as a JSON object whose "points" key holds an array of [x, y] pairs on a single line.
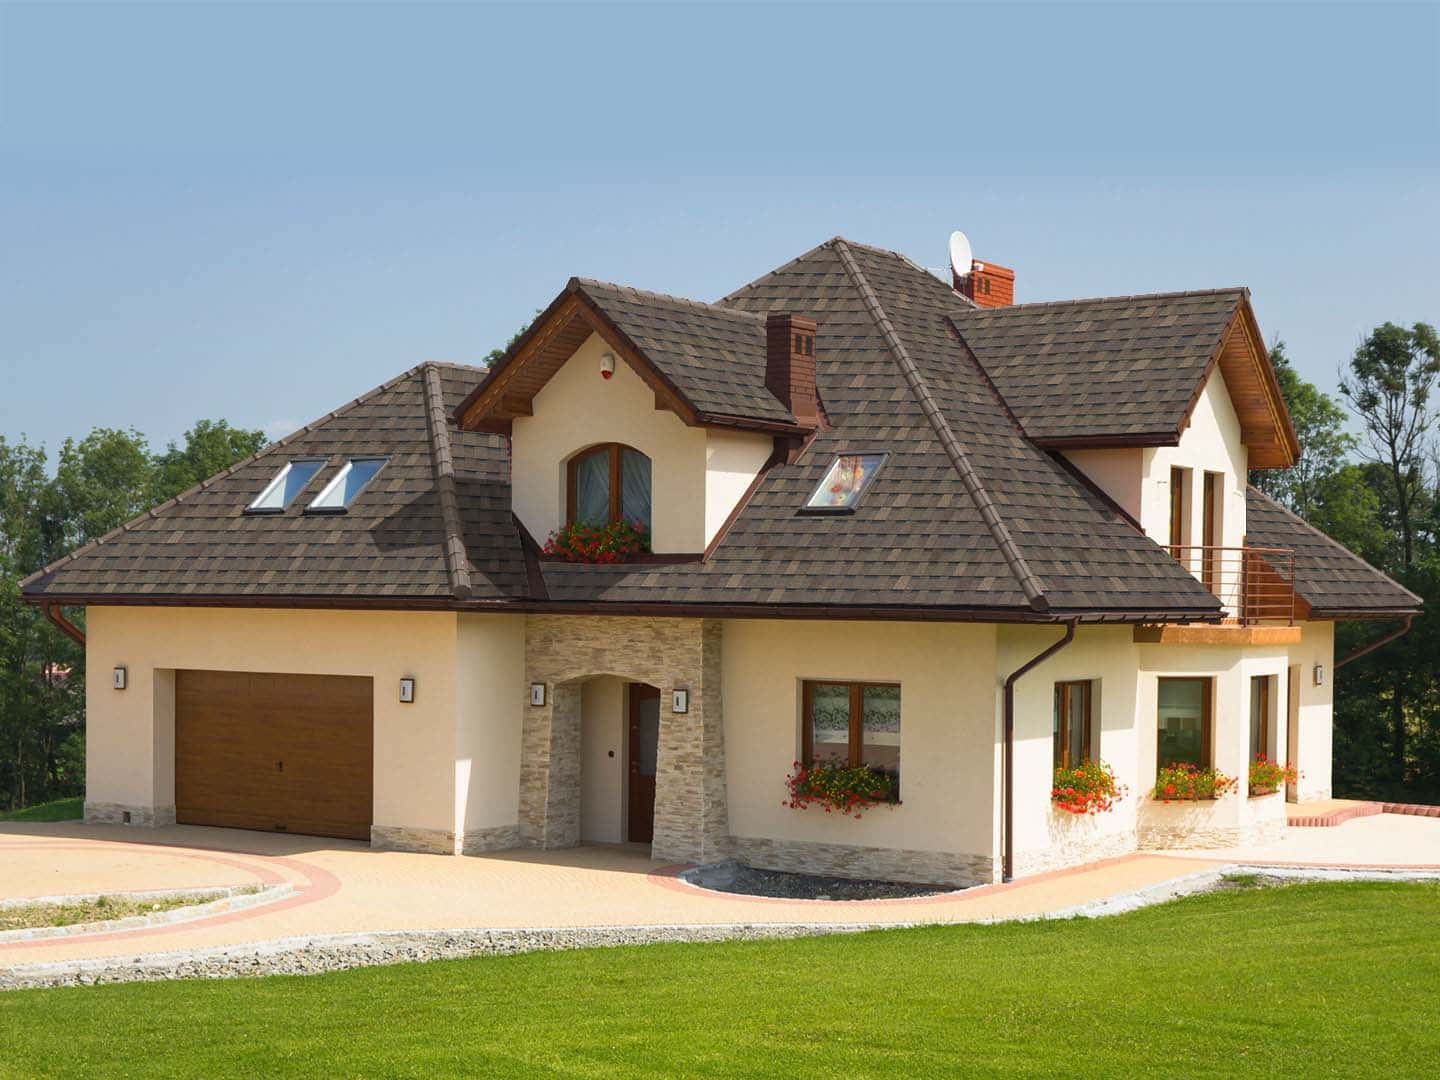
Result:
{"points": [[621, 404]]}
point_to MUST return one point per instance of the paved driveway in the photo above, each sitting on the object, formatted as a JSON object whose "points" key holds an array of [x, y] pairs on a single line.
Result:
{"points": [[341, 887]]}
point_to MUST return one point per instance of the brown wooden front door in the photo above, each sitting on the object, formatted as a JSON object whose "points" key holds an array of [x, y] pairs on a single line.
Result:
{"points": [[644, 749], [286, 753]]}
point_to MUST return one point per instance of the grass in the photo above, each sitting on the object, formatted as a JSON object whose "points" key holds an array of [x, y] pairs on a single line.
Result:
{"points": [[59, 810], [1301, 980], [101, 909]]}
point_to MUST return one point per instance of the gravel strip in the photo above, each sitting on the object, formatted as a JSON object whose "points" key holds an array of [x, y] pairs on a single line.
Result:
{"points": [[339, 952], [238, 900]]}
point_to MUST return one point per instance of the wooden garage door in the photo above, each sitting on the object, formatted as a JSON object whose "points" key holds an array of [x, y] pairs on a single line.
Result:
{"points": [[290, 753]]}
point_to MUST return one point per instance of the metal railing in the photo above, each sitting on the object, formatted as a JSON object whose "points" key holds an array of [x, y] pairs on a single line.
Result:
{"points": [[1255, 584]]}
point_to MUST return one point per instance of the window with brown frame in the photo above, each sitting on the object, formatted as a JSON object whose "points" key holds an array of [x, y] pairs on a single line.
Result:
{"points": [[608, 483], [851, 723], [1073, 732], [1182, 721], [1212, 500], [1262, 697], [1178, 485]]}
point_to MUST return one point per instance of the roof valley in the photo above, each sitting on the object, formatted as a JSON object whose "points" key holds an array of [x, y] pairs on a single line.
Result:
{"points": [[1029, 583]]}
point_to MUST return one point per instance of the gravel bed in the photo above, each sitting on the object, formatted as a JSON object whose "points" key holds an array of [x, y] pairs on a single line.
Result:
{"points": [[734, 877]]}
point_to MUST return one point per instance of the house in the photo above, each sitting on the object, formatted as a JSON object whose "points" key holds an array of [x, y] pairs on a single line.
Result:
{"points": [[892, 520]]}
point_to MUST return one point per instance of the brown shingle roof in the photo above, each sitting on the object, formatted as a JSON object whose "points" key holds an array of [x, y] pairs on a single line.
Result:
{"points": [[1112, 367], [392, 543], [1331, 578], [968, 518]]}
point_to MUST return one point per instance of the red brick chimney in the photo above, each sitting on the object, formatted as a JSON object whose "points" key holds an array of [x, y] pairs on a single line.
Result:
{"points": [[988, 285], [790, 365]]}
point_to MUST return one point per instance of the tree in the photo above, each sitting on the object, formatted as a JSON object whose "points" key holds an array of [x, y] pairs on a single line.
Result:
{"points": [[101, 481], [1390, 382], [210, 447], [1324, 444], [494, 355]]}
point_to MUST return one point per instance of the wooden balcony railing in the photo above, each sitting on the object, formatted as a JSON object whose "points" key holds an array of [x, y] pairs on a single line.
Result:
{"points": [[1255, 584]]}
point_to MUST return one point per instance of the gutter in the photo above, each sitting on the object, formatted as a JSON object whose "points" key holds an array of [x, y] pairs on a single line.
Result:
{"points": [[1384, 639], [64, 625], [1007, 871]]}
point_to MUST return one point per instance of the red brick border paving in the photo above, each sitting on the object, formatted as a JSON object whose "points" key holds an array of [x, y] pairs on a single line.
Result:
{"points": [[1413, 809], [1337, 817]]}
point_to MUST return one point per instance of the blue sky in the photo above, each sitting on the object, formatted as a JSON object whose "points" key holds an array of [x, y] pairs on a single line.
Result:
{"points": [[260, 211]]}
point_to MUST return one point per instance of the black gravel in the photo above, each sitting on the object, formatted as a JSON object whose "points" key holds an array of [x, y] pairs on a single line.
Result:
{"points": [[749, 881]]}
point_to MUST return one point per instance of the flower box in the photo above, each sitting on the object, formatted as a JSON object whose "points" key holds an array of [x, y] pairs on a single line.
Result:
{"points": [[1182, 782], [618, 542], [1088, 788], [1266, 776], [841, 788]]}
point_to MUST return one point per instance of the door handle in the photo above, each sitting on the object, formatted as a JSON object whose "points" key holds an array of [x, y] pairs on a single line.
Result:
{"points": [[280, 765]]}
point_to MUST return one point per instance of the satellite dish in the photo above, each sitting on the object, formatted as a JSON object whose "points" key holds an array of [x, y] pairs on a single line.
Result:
{"points": [[961, 259]]}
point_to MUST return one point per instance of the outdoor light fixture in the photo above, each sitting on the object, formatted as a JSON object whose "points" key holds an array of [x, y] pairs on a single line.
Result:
{"points": [[407, 690], [607, 365], [120, 678], [680, 701], [537, 693], [1319, 674]]}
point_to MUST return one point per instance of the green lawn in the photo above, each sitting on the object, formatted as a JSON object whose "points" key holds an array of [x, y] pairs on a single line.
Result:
{"points": [[59, 810], [1306, 980]]}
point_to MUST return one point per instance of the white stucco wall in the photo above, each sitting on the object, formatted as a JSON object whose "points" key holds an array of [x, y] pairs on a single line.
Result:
{"points": [[130, 733], [1118, 473], [1313, 755], [1045, 837], [603, 760], [732, 461], [490, 703], [697, 475], [947, 740], [1211, 443]]}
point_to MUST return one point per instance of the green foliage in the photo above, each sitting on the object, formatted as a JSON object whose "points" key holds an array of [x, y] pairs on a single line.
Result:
{"points": [[1324, 444], [69, 809], [100, 482], [1291, 981], [210, 446]]}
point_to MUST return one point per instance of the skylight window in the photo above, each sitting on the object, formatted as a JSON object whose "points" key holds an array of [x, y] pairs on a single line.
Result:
{"points": [[845, 481], [288, 482], [348, 483]]}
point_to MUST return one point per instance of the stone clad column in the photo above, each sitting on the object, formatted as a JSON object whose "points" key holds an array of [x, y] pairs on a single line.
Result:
{"points": [[691, 816]]}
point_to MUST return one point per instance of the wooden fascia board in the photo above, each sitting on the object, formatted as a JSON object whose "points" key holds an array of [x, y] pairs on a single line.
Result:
{"points": [[1211, 362], [1108, 442], [1274, 398], [485, 395]]}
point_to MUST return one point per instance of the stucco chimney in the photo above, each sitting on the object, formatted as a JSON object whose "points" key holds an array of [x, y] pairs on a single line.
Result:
{"points": [[988, 285], [790, 365]]}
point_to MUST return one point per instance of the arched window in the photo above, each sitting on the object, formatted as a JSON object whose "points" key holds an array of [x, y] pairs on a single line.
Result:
{"points": [[608, 483]]}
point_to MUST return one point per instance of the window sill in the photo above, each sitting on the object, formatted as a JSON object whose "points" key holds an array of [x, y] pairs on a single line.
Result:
{"points": [[1263, 792]]}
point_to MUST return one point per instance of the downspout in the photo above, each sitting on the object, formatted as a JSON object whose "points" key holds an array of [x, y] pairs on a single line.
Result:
{"points": [[1007, 866], [64, 625], [1384, 639]]}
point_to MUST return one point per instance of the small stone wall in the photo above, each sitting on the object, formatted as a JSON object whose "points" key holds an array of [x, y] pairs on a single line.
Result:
{"points": [[110, 813], [1076, 843], [500, 838], [404, 838], [880, 864]]}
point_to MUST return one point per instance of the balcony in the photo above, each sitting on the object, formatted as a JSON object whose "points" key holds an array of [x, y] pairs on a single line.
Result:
{"points": [[1256, 588]]}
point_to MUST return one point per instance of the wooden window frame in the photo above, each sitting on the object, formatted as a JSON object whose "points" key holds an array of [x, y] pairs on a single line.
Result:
{"points": [[857, 717], [1214, 486], [1178, 476], [1207, 717], [572, 470], [1062, 736], [1267, 694]]}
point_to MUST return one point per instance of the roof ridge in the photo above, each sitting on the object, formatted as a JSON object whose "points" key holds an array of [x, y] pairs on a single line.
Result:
{"points": [[984, 376], [668, 297], [1330, 539], [457, 560], [1242, 290], [156, 511], [989, 513], [778, 270]]}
